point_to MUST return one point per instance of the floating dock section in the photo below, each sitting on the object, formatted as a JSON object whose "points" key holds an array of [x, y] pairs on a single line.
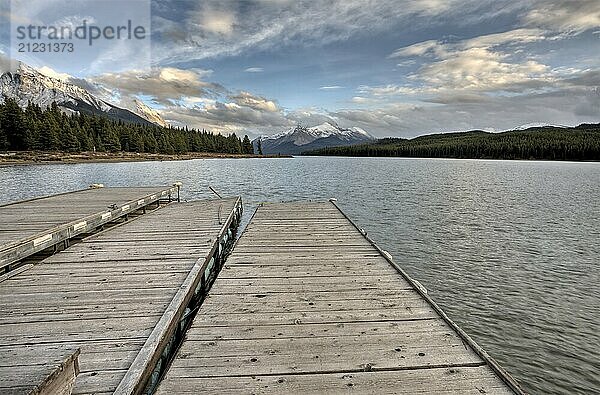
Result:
{"points": [[308, 304], [30, 226], [118, 300]]}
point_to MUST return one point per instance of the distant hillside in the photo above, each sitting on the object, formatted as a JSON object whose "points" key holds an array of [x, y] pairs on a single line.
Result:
{"points": [[545, 143], [298, 139]]}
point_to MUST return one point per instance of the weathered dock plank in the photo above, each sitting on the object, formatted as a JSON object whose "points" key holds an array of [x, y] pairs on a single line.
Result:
{"points": [[52, 374], [33, 225], [110, 295], [456, 380], [308, 304]]}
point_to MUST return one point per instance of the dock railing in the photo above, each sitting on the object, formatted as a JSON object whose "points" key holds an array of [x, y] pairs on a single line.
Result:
{"points": [[162, 344], [16, 251]]}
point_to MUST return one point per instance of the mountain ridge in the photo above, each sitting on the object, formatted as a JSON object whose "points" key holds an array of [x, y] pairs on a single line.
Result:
{"points": [[299, 139], [25, 84]]}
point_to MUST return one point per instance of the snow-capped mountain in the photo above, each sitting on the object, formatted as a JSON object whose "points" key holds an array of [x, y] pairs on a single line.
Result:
{"points": [[299, 139], [26, 84]]}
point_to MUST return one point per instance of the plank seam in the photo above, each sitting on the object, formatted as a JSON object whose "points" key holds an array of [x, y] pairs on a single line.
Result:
{"points": [[371, 369]]}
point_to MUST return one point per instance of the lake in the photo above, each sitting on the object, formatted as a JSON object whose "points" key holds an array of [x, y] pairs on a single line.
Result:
{"points": [[509, 249]]}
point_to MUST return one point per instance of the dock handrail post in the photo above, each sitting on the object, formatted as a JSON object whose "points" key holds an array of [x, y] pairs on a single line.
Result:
{"points": [[203, 284], [178, 184]]}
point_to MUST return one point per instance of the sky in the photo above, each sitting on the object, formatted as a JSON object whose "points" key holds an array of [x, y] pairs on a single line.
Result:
{"points": [[398, 68]]}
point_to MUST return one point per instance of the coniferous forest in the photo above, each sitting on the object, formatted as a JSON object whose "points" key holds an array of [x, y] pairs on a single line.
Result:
{"points": [[51, 130], [544, 143]]}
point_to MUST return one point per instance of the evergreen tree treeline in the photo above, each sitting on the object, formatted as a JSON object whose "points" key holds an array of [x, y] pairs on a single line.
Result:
{"points": [[52, 130], [544, 143]]}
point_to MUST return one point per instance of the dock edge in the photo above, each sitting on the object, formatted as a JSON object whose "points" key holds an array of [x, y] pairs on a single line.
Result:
{"points": [[499, 370]]}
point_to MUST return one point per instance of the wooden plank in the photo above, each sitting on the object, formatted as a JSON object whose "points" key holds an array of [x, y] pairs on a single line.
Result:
{"points": [[94, 382], [456, 380], [94, 352], [290, 296], [74, 258], [207, 331], [274, 305], [322, 359], [307, 304], [311, 317]]}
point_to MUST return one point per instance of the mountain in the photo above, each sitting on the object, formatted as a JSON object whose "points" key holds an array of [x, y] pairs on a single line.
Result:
{"points": [[535, 125], [26, 84], [299, 139], [149, 114]]}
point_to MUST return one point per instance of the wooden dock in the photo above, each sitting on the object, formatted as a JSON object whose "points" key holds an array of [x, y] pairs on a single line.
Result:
{"points": [[120, 298], [30, 226], [307, 303]]}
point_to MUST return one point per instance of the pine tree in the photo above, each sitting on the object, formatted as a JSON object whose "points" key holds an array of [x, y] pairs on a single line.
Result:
{"points": [[69, 142], [48, 139], [3, 137], [110, 140], [247, 147], [32, 123], [85, 141], [13, 123], [234, 146]]}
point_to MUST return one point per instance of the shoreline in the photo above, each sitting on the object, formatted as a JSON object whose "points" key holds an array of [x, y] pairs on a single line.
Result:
{"points": [[24, 158]]}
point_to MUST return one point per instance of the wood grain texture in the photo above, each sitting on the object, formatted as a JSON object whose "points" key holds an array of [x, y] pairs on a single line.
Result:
{"points": [[105, 295], [306, 304], [54, 375]]}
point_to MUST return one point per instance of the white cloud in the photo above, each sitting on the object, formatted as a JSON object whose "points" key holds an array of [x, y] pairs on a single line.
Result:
{"points": [[256, 102], [406, 62], [440, 49], [417, 49], [228, 117], [483, 63], [254, 70], [73, 21], [330, 87], [360, 100], [165, 85], [217, 22], [510, 37], [482, 69], [387, 90], [572, 16]]}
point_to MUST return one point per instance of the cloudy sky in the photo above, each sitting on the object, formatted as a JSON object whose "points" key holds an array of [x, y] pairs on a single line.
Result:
{"points": [[392, 67]]}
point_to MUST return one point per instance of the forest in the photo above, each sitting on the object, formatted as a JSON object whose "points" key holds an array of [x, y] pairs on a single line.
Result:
{"points": [[37, 129], [580, 143]]}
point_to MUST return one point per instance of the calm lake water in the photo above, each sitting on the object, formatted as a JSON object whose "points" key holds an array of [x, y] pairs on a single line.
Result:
{"points": [[509, 249]]}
